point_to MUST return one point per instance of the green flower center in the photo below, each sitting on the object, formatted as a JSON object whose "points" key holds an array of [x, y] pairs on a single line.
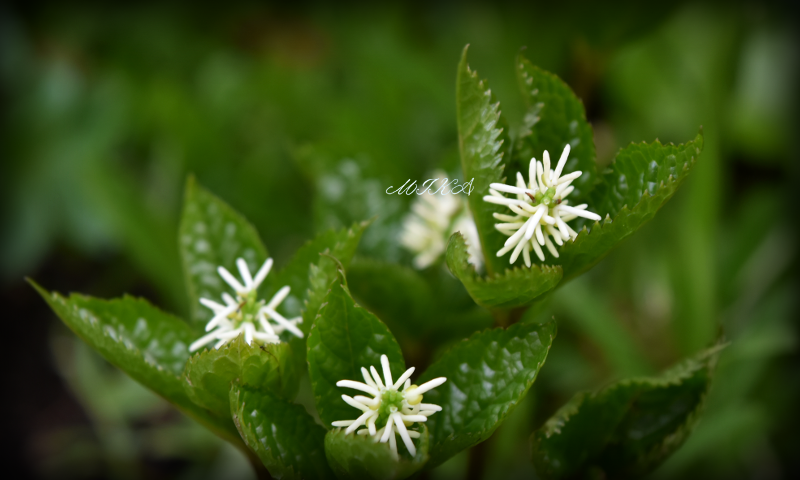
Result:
{"points": [[391, 402], [547, 198], [249, 307]]}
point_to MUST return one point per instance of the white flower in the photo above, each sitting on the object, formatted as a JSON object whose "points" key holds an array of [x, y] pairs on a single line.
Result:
{"points": [[394, 406], [246, 313], [541, 209], [433, 218]]}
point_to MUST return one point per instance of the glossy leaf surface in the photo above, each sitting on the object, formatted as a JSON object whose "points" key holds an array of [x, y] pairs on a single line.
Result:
{"points": [[211, 235], [149, 345], [487, 376], [356, 457], [419, 307], [555, 118], [283, 435], [309, 273], [640, 181], [483, 144], [627, 428], [512, 288], [209, 374], [344, 338]]}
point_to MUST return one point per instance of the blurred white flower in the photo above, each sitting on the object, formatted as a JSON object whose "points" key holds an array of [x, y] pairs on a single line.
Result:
{"points": [[246, 313], [433, 219], [541, 210], [394, 406]]}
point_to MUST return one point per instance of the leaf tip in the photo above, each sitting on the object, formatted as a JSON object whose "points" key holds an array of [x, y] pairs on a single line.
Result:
{"points": [[463, 60], [42, 291]]}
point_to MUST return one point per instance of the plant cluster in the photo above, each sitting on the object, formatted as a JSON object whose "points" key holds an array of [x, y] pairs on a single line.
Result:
{"points": [[236, 366]]}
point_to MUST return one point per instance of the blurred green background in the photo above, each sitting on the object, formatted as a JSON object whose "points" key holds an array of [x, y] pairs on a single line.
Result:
{"points": [[301, 115]]}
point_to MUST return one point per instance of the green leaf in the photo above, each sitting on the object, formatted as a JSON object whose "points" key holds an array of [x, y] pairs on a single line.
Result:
{"points": [[344, 338], [397, 293], [359, 457], [511, 288], [351, 189], [267, 368], [212, 234], [406, 300], [627, 428], [149, 345], [555, 118], [307, 270], [482, 144], [639, 182], [310, 273], [283, 435], [487, 376]]}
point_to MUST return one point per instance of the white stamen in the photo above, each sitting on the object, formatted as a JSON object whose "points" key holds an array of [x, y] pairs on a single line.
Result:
{"points": [[360, 421], [244, 272], [387, 371], [405, 376], [216, 307], [526, 254], [388, 430], [568, 178], [413, 418], [541, 177], [241, 314], [248, 333], [286, 323], [501, 201], [262, 319], [514, 239], [501, 187], [517, 251], [532, 174], [401, 428], [505, 218], [581, 213], [561, 162], [376, 377], [430, 385], [262, 273], [368, 379], [230, 280], [401, 412], [551, 247], [356, 404], [547, 168], [230, 301], [358, 386], [538, 250], [202, 341], [279, 296]]}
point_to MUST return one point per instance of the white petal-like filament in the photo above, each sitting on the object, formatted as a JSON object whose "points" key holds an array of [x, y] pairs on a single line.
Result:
{"points": [[546, 179], [244, 271], [430, 385], [387, 370], [358, 386], [230, 280], [262, 273]]}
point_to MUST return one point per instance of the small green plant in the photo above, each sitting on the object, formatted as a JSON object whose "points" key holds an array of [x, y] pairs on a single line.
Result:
{"points": [[235, 365]]}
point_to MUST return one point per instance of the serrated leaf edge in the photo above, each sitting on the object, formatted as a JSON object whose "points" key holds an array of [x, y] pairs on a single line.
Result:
{"points": [[511, 405], [671, 182], [508, 272]]}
